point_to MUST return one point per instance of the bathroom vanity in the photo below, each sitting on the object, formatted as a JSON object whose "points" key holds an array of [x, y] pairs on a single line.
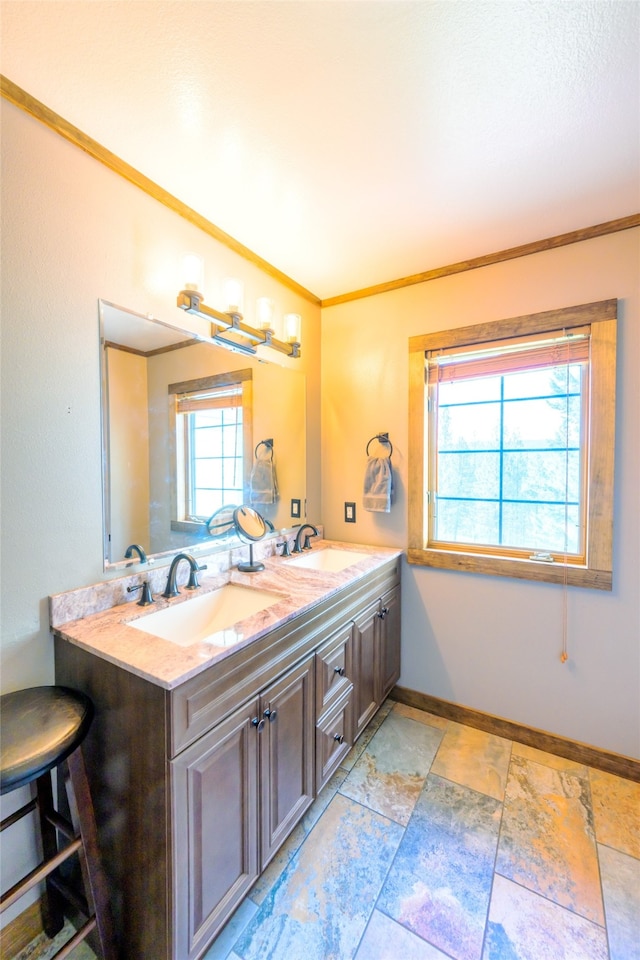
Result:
{"points": [[204, 756]]}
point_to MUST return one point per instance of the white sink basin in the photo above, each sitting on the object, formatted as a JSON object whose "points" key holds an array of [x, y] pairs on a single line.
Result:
{"points": [[329, 559], [209, 617]]}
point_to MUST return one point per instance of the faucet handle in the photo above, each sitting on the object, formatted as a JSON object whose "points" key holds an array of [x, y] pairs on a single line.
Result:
{"points": [[146, 596], [286, 552]]}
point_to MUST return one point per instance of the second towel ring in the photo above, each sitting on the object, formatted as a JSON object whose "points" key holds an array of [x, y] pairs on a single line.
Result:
{"points": [[381, 438]]}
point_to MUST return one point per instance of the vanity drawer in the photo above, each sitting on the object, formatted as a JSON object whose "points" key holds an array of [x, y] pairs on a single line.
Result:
{"points": [[333, 738], [333, 669]]}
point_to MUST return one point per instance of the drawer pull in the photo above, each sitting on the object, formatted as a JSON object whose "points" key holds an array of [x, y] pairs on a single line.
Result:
{"points": [[270, 714], [339, 671], [338, 737], [258, 724]]}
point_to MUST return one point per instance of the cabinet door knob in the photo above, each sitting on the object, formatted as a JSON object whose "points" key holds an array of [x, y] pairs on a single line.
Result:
{"points": [[270, 714], [339, 671], [382, 613], [258, 724], [338, 737]]}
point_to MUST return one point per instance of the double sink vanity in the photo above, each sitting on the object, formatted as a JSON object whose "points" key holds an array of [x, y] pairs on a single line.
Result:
{"points": [[220, 714]]}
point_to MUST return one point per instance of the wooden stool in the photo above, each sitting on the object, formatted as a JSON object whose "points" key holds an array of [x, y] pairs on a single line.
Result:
{"points": [[42, 728]]}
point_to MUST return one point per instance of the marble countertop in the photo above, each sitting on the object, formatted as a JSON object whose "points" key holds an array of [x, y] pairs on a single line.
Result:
{"points": [[108, 633]]}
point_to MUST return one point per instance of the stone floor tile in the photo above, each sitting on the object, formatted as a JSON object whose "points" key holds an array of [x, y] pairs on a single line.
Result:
{"points": [[547, 842], [390, 774], [320, 907], [525, 926], [616, 811], [385, 939], [422, 716], [548, 759], [621, 888], [440, 882], [474, 759]]}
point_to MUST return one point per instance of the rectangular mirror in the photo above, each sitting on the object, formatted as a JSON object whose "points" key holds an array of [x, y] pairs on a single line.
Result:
{"points": [[184, 424]]}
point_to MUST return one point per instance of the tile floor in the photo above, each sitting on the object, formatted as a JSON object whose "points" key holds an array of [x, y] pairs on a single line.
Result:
{"points": [[436, 841]]}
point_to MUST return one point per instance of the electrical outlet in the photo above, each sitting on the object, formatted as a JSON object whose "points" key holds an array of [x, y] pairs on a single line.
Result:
{"points": [[349, 512], [295, 509]]}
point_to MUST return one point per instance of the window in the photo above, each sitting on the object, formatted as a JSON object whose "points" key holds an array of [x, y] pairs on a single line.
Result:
{"points": [[511, 446], [213, 444]]}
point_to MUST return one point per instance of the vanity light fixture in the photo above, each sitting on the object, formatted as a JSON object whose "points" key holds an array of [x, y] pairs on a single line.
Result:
{"points": [[230, 331]]}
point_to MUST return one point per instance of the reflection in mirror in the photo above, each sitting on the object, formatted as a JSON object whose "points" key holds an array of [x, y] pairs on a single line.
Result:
{"points": [[185, 425]]}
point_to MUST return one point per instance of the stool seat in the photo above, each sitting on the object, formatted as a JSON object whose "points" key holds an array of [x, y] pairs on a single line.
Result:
{"points": [[41, 727]]}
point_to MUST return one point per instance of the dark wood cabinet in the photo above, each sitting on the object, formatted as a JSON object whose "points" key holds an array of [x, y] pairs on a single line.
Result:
{"points": [[214, 789], [195, 788], [254, 769], [389, 642], [376, 656], [286, 755]]}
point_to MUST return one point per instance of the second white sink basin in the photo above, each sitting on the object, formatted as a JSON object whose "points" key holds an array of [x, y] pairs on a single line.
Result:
{"points": [[329, 559], [205, 617]]}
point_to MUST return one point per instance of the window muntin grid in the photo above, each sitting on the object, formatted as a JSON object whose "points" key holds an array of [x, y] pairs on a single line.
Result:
{"points": [[507, 467]]}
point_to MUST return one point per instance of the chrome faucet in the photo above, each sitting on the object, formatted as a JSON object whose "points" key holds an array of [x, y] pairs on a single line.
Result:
{"points": [[171, 589], [297, 548]]}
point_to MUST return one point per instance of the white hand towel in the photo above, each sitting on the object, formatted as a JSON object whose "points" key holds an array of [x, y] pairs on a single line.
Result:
{"points": [[378, 485]]}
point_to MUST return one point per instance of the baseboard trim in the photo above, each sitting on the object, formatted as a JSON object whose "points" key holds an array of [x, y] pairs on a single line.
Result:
{"points": [[21, 931], [614, 763]]}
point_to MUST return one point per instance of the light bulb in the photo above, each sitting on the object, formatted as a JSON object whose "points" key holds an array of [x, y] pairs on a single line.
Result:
{"points": [[292, 324], [233, 295], [264, 311]]}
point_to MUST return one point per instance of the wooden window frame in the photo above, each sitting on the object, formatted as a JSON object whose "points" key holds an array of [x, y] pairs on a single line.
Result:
{"points": [[178, 454], [597, 571]]}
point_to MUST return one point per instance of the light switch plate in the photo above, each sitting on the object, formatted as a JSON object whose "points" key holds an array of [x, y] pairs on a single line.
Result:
{"points": [[295, 509], [349, 512]]}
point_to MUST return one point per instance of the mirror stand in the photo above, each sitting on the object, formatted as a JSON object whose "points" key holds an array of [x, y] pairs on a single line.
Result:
{"points": [[250, 567]]}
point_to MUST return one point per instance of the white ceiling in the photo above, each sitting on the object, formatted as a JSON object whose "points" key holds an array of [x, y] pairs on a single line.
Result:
{"points": [[353, 143]]}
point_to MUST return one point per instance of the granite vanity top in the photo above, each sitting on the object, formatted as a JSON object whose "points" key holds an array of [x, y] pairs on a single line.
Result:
{"points": [[107, 633]]}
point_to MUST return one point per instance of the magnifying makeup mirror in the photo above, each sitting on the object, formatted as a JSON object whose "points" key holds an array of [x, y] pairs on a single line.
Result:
{"points": [[250, 526]]}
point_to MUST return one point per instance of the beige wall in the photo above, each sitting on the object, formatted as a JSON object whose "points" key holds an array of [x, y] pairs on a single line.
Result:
{"points": [[493, 643], [128, 450], [73, 232]]}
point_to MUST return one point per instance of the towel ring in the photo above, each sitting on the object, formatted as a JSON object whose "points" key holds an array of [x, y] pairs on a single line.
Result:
{"points": [[381, 438], [264, 443]]}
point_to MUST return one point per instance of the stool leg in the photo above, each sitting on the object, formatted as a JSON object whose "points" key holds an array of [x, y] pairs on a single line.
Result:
{"points": [[93, 875], [52, 913]]}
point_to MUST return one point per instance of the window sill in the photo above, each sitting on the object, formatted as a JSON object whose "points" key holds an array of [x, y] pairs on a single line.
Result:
{"points": [[195, 527], [576, 576]]}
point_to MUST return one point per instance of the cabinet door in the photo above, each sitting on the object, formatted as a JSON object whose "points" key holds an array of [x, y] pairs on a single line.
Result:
{"points": [[286, 754], [215, 829], [389, 642], [366, 667], [333, 669]]}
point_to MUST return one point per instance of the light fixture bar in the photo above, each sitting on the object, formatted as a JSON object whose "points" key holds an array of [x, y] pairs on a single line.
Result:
{"points": [[191, 302]]}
